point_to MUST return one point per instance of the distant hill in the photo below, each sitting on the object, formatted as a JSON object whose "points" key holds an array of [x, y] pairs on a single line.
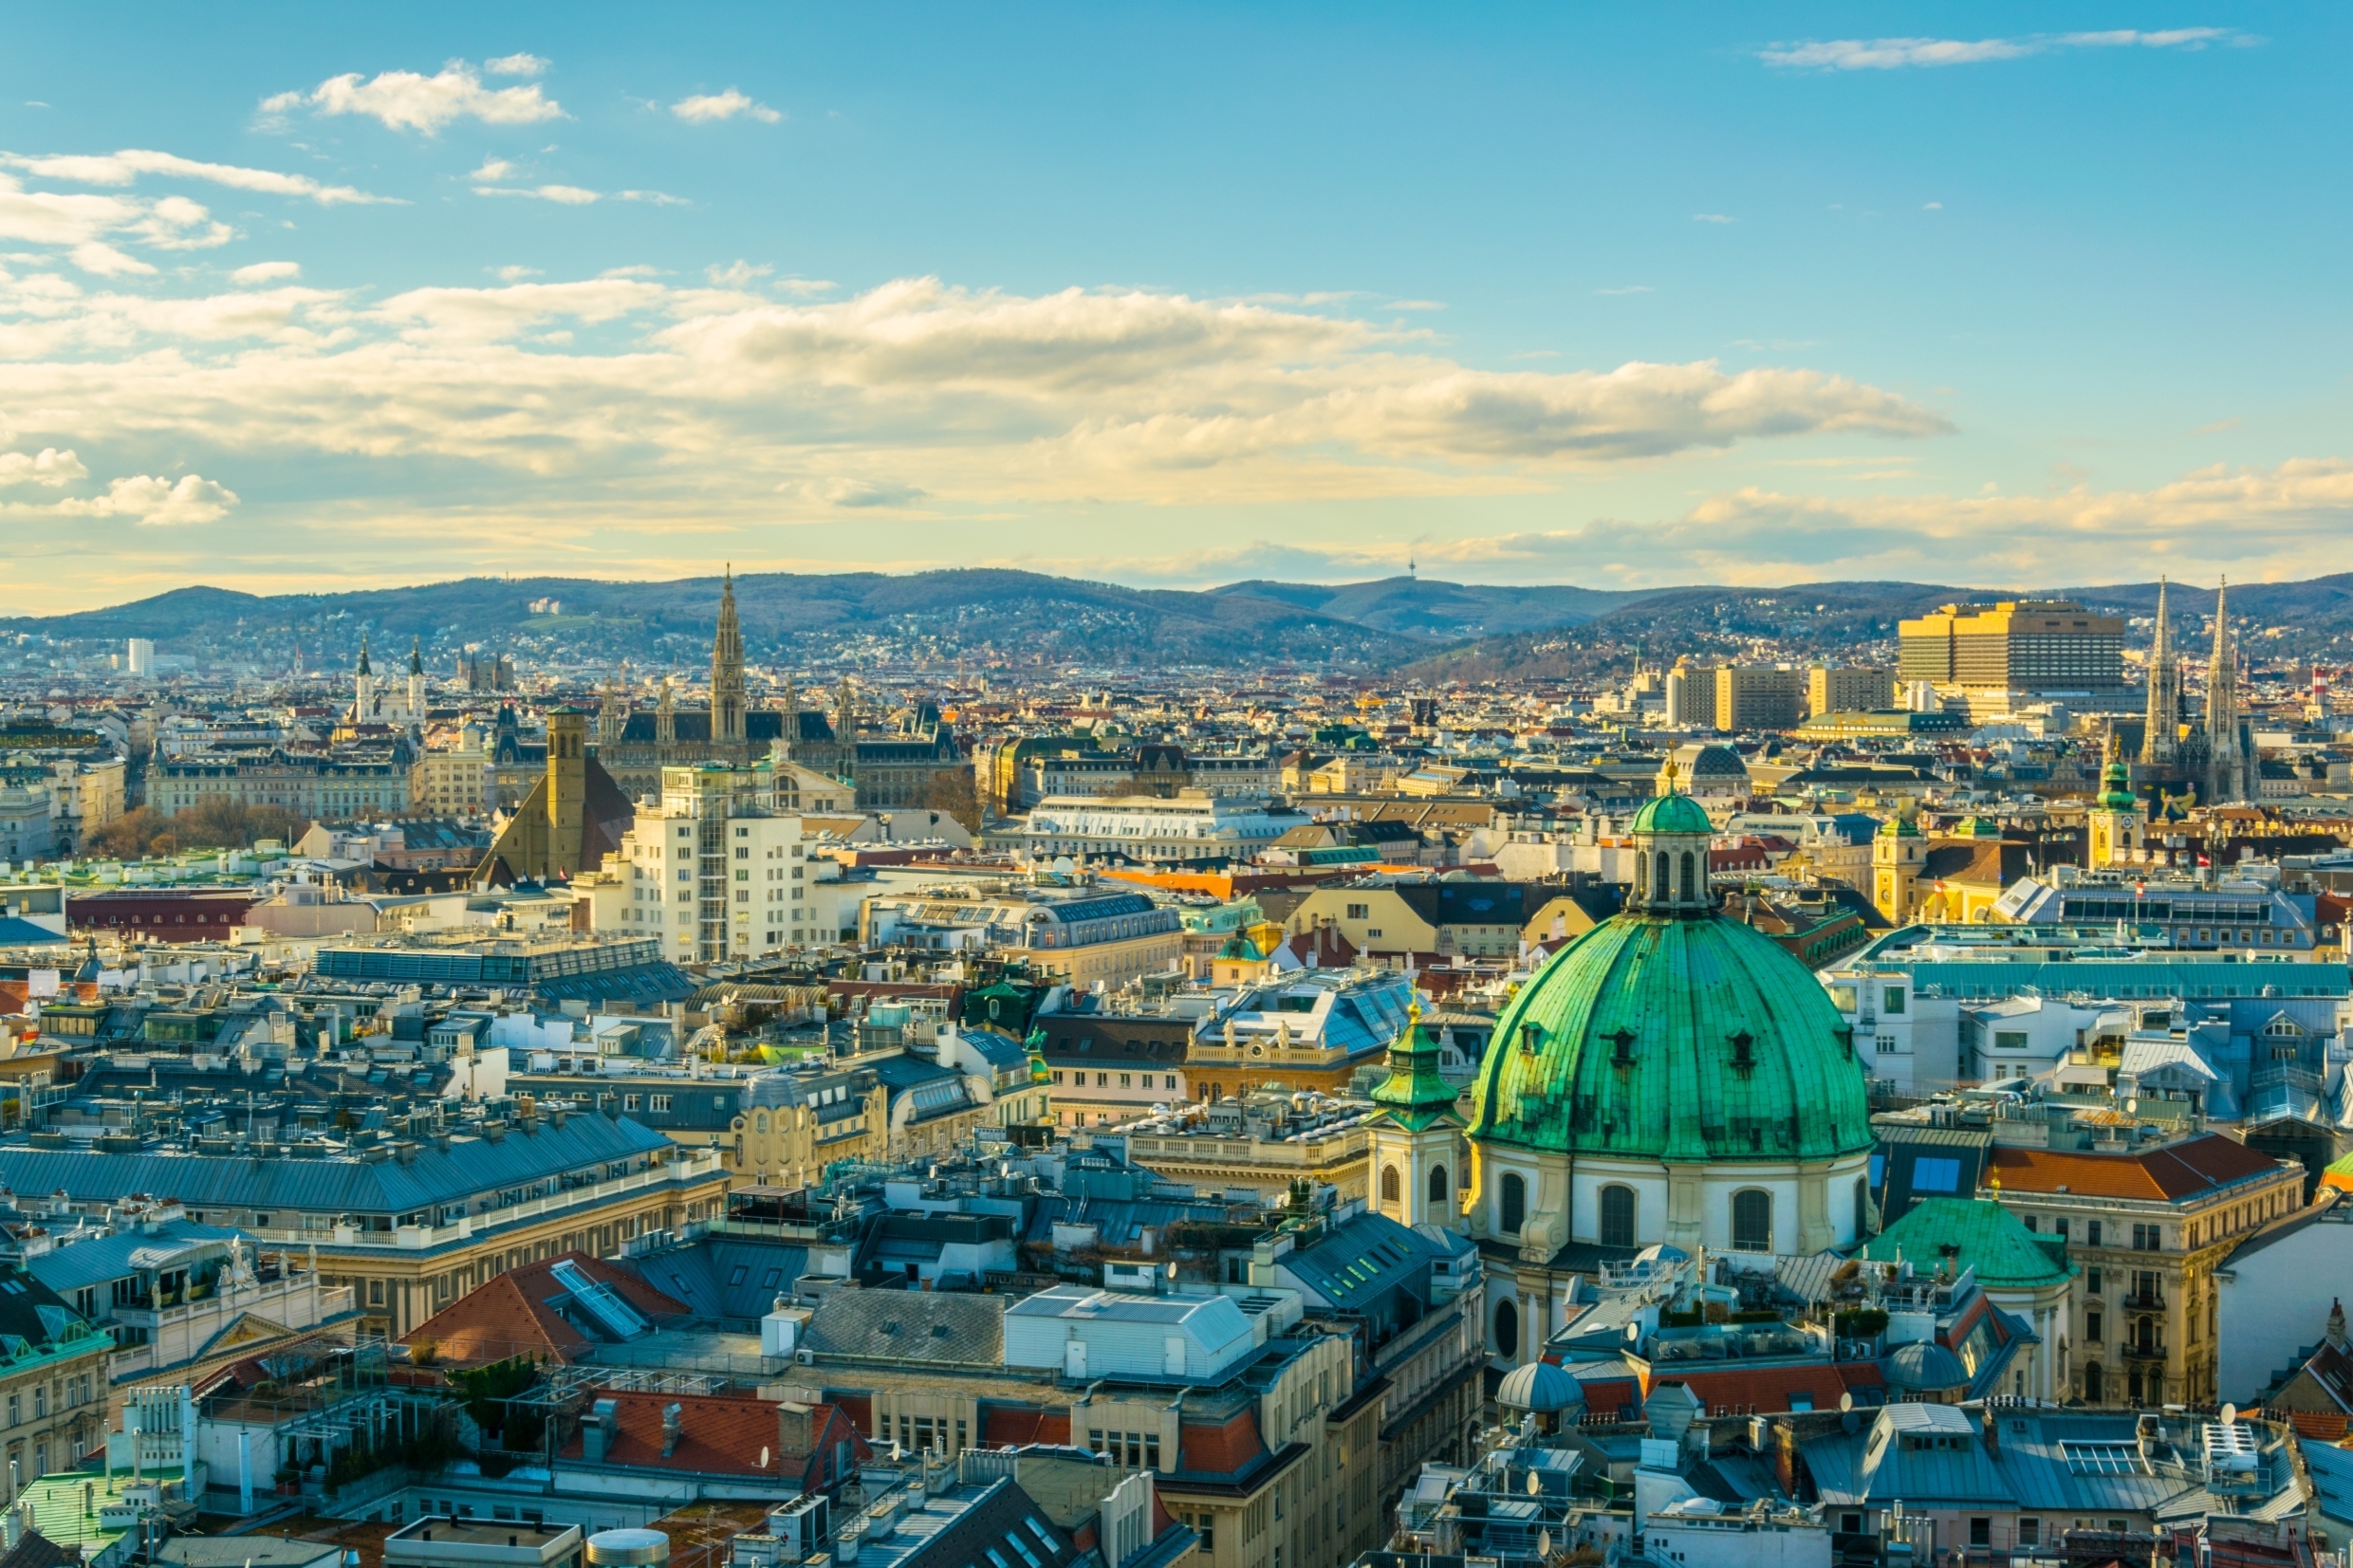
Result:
{"points": [[1409, 628], [1815, 619]]}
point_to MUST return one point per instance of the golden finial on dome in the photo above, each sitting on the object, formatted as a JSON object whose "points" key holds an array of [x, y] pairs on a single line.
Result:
{"points": [[1671, 772]]}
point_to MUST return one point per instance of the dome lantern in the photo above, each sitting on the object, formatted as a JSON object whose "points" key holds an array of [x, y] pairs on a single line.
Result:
{"points": [[1671, 837]]}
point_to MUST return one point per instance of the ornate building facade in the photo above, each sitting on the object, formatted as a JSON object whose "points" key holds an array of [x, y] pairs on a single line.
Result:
{"points": [[887, 768]]}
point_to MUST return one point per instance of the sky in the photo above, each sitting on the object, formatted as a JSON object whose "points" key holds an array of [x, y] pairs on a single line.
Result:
{"points": [[304, 298]]}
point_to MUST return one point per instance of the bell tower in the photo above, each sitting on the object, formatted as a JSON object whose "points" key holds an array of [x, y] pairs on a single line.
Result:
{"points": [[1897, 852], [1416, 1138], [2115, 820]]}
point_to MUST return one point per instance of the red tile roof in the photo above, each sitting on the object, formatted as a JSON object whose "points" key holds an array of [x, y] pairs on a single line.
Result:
{"points": [[717, 1436], [1767, 1390], [2186, 1169], [510, 1315]]}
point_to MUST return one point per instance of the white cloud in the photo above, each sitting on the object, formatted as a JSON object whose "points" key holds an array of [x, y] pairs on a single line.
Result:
{"points": [[160, 502], [105, 260], [1887, 54], [705, 107], [265, 272], [492, 171], [46, 467], [1713, 217], [1932, 207], [175, 223], [567, 196], [804, 288], [516, 274], [406, 101], [127, 165], [737, 274], [657, 198], [1629, 289], [141, 498], [516, 64]]}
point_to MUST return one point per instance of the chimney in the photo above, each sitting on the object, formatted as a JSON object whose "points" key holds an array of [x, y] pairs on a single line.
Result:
{"points": [[595, 1434], [672, 1415], [795, 1428]]}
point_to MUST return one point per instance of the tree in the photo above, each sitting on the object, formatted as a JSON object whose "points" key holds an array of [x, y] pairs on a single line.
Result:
{"points": [[952, 792]]}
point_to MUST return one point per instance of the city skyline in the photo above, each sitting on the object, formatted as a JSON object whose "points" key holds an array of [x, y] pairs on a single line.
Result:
{"points": [[1172, 297]]}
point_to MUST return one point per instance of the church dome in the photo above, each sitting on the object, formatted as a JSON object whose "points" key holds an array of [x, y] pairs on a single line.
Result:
{"points": [[1675, 1037], [1540, 1387], [1924, 1367]]}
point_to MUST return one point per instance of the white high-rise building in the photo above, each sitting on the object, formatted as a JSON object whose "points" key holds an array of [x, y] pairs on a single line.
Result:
{"points": [[715, 870], [141, 656]]}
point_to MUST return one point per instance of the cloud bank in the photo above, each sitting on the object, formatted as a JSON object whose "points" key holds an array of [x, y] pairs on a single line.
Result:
{"points": [[914, 389], [1888, 54]]}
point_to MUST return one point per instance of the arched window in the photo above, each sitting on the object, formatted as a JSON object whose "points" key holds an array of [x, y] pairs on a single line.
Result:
{"points": [[1687, 893], [1641, 877], [1617, 1216], [2132, 1386], [760, 1122], [1752, 1220], [1507, 1329], [2093, 1393], [1389, 1184], [1513, 1205], [1437, 1187], [1862, 1206], [1666, 877]]}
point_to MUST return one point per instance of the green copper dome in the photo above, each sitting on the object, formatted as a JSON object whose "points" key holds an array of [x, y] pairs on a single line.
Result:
{"points": [[1673, 814], [1673, 1040]]}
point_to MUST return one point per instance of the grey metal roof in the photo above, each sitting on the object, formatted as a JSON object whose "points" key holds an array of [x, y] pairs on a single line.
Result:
{"points": [[725, 1278], [1358, 1262], [66, 1269], [472, 1166], [910, 1325]]}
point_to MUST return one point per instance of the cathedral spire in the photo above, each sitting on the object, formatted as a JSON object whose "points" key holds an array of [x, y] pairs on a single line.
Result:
{"points": [[2161, 730], [727, 669], [416, 657], [2226, 760]]}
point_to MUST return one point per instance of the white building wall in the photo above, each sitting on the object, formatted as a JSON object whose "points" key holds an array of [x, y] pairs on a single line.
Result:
{"points": [[2271, 1302]]}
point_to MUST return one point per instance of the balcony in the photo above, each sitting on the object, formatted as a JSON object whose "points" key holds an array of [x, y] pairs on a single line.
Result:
{"points": [[2133, 1350], [690, 1166], [2152, 1301], [171, 1335]]}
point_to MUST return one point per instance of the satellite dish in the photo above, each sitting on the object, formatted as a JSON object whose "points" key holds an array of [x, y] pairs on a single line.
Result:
{"points": [[1847, 1402], [1544, 1543], [2229, 1415], [764, 1456], [1535, 1484]]}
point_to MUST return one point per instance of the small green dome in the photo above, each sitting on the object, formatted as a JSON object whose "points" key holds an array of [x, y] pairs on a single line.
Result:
{"points": [[1673, 814], [1674, 1039], [1899, 827]]}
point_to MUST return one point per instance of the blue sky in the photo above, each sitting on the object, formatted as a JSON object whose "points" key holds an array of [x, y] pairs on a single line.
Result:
{"points": [[1984, 295]]}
